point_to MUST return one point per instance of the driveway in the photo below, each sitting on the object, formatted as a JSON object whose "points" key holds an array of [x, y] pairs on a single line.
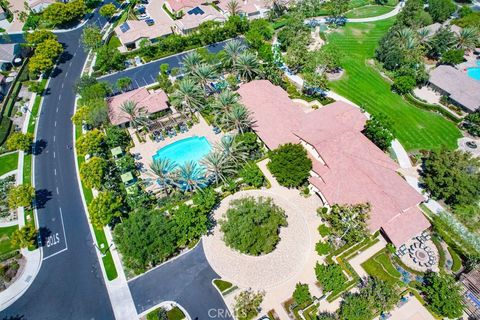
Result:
{"points": [[186, 280]]}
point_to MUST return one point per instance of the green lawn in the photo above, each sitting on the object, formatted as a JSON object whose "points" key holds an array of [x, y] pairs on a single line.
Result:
{"points": [[8, 162], [114, 42], [380, 266], [415, 128], [368, 11], [5, 234], [222, 285]]}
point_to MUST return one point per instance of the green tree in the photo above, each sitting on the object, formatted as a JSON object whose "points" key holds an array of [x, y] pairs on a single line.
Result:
{"points": [[93, 143], [330, 276], [103, 208], [290, 165], [136, 115], [108, 10], [38, 36], [163, 169], [20, 196], [441, 10], [247, 66], [382, 295], [92, 172], [91, 38], [117, 137], [453, 57], [124, 83], [472, 123], [94, 113], [252, 225], [20, 141], [145, 239], [189, 224], [453, 176], [404, 84], [252, 175], [354, 306], [301, 295], [238, 119], [24, 237], [339, 7], [109, 59], [63, 13], [218, 167], [126, 163], [188, 96], [247, 303], [441, 42], [380, 131], [443, 294], [190, 176]]}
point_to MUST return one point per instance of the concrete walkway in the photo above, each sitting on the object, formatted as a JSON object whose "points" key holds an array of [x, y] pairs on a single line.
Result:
{"points": [[356, 262], [385, 16]]}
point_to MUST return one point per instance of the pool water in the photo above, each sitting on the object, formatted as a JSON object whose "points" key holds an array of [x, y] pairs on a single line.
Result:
{"points": [[474, 72], [182, 151]]}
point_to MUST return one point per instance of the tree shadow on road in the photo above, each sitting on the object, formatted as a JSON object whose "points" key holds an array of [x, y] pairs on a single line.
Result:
{"points": [[17, 317], [39, 146], [43, 233], [41, 198]]}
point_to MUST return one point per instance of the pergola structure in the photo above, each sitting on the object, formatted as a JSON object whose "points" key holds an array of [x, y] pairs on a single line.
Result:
{"points": [[471, 292]]}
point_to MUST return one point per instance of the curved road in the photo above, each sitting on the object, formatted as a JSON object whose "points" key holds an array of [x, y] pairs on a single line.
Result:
{"points": [[70, 283]]}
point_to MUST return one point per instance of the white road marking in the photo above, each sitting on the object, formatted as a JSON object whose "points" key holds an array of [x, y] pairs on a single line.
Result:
{"points": [[55, 172], [65, 236], [59, 97], [57, 191], [54, 154], [63, 84], [54, 138], [56, 110], [66, 74], [55, 124]]}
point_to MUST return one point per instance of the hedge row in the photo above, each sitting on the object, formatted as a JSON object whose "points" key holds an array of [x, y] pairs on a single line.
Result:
{"points": [[431, 107]]}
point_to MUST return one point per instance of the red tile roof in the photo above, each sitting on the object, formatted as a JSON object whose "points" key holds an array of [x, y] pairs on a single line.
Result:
{"points": [[152, 101], [401, 228], [351, 170]]}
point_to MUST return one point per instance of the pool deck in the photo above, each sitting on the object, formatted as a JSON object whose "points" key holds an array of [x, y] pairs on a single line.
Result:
{"points": [[149, 148]]}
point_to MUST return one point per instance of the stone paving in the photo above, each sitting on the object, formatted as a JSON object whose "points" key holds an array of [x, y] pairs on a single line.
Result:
{"points": [[291, 262]]}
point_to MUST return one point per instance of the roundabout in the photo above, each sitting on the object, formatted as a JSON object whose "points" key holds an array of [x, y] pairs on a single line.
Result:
{"points": [[272, 269]]}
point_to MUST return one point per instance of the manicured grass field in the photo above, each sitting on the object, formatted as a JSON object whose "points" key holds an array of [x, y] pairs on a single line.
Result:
{"points": [[222, 285], [5, 234], [415, 128], [8, 162], [368, 11], [380, 266]]}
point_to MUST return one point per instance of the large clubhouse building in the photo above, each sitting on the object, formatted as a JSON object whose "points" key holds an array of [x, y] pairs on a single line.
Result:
{"points": [[347, 167]]}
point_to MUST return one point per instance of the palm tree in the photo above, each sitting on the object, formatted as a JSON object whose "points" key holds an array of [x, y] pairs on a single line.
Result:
{"points": [[467, 38], [423, 35], [232, 149], [233, 7], [137, 116], [188, 96], [224, 103], [232, 50], [239, 119], [163, 170], [247, 65], [218, 166], [204, 74], [407, 38], [190, 62], [190, 176]]}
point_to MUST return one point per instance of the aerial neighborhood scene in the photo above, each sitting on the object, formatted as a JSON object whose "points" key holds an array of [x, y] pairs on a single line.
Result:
{"points": [[240, 159]]}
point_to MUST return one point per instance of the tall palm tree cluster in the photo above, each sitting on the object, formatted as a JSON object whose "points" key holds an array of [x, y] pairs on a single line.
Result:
{"points": [[194, 91], [136, 115], [217, 166]]}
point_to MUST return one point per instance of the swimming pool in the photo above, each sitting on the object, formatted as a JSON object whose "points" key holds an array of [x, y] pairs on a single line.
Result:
{"points": [[181, 151], [474, 72]]}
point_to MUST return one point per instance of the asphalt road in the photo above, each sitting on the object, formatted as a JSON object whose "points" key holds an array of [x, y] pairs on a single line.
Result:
{"points": [[186, 280], [147, 74], [69, 284]]}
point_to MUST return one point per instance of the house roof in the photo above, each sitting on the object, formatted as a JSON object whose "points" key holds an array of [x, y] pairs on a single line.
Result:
{"points": [[178, 5], [435, 27], [133, 30], [405, 225], [7, 52], [460, 87], [152, 101], [196, 16], [249, 7], [350, 168]]}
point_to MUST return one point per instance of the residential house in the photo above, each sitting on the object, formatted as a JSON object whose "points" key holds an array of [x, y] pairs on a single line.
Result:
{"points": [[8, 53], [151, 101], [132, 32], [347, 167], [471, 292], [39, 5], [252, 9], [455, 84], [177, 6], [194, 17]]}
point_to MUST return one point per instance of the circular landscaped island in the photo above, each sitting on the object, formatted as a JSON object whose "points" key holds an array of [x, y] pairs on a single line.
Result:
{"points": [[262, 238], [252, 225]]}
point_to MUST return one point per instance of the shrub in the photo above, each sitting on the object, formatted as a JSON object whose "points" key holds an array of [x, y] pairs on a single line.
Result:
{"points": [[443, 295], [20, 141], [324, 230], [323, 248], [330, 276], [92, 172], [252, 175], [252, 225], [20, 196], [453, 57], [290, 165], [302, 295], [380, 131], [247, 304]]}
